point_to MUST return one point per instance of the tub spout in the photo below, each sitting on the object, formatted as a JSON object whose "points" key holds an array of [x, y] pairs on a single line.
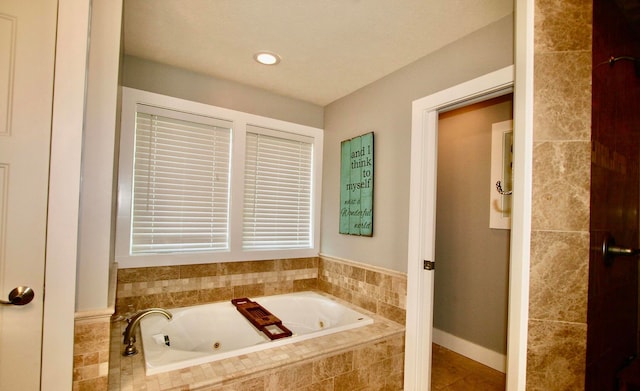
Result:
{"points": [[130, 332]]}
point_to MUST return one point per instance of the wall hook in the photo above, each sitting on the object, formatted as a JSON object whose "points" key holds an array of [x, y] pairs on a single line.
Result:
{"points": [[499, 189]]}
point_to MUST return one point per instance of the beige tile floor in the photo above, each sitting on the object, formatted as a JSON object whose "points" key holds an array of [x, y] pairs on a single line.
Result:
{"points": [[453, 372]]}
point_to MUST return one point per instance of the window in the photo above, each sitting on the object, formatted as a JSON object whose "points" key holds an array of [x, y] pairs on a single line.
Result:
{"points": [[277, 191], [201, 184], [180, 183]]}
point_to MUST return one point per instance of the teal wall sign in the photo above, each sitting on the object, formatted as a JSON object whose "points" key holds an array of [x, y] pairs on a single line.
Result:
{"points": [[356, 186]]}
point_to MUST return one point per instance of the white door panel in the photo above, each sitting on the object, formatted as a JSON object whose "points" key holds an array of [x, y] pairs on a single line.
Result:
{"points": [[27, 48]]}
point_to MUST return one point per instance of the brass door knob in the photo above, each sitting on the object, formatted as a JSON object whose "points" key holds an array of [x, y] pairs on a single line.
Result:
{"points": [[19, 296]]}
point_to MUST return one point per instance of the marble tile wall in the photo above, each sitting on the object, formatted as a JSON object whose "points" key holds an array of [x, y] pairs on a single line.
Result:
{"points": [[91, 353], [560, 195]]}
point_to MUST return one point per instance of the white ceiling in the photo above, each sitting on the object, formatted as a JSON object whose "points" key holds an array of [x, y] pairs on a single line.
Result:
{"points": [[329, 48]]}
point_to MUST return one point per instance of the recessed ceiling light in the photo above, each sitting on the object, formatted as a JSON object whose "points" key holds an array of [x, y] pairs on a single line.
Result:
{"points": [[267, 58]]}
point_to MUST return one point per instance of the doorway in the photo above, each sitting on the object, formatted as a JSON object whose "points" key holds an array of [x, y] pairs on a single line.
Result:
{"points": [[472, 251], [421, 249]]}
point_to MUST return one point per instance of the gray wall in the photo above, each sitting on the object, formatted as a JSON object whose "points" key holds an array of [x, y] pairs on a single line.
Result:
{"points": [[384, 107], [471, 287], [166, 80]]}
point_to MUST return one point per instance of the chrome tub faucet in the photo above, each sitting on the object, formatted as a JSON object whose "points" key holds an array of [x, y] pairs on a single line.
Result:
{"points": [[130, 332]]}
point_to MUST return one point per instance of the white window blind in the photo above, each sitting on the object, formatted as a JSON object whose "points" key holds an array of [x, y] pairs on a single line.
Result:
{"points": [[277, 191], [180, 183]]}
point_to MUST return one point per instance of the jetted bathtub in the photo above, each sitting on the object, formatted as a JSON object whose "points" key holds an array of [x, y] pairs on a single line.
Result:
{"points": [[216, 331]]}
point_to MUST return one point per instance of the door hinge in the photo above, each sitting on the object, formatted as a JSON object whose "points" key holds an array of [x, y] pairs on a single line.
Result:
{"points": [[429, 265]]}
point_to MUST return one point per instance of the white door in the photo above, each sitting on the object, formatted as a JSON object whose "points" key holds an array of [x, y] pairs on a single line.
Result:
{"points": [[420, 273], [27, 49]]}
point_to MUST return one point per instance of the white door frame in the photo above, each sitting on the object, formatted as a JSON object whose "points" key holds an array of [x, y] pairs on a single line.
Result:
{"points": [[422, 204], [64, 194]]}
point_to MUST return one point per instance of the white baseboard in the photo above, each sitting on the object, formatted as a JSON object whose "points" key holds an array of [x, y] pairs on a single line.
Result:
{"points": [[475, 352]]}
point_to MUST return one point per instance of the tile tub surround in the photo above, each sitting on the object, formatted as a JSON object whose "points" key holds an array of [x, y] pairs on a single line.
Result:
{"points": [[369, 357], [378, 290], [185, 285]]}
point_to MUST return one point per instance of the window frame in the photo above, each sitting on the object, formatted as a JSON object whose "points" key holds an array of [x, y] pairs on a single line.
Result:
{"points": [[131, 98]]}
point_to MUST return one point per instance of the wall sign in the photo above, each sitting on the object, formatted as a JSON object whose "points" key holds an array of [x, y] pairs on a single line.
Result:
{"points": [[356, 186]]}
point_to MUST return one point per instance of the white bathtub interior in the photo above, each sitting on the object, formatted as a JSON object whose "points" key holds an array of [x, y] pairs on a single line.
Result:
{"points": [[211, 332]]}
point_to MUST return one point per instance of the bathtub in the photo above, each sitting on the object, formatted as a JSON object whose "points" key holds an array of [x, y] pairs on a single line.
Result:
{"points": [[211, 332]]}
